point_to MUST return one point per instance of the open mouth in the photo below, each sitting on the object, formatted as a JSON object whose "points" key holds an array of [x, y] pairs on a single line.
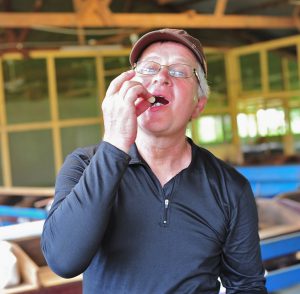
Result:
{"points": [[159, 100]]}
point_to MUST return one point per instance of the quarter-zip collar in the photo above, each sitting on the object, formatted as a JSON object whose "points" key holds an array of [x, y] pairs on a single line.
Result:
{"points": [[136, 158]]}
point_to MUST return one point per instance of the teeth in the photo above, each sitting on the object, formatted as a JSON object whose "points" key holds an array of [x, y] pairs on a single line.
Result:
{"points": [[157, 104]]}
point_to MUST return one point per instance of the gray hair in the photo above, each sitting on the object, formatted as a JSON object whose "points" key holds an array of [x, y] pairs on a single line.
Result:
{"points": [[203, 87]]}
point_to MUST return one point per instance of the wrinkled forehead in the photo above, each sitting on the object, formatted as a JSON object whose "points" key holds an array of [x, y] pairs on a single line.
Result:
{"points": [[170, 51]]}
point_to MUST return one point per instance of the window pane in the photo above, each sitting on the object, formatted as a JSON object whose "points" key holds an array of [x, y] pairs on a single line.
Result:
{"points": [[26, 90], [295, 121], [217, 81], [275, 71], [250, 72], [77, 88], [214, 129], [283, 68], [114, 66], [32, 158], [74, 137], [294, 79], [297, 143], [261, 126], [264, 122]]}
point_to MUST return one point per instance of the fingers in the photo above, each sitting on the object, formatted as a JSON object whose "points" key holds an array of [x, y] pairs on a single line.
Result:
{"points": [[117, 83], [126, 92], [142, 106], [132, 90]]}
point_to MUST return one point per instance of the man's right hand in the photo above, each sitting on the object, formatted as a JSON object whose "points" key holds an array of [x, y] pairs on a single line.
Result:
{"points": [[125, 100]]}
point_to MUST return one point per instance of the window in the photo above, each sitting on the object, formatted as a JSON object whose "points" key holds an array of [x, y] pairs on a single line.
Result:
{"points": [[214, 129], [295, 121], [77, 88], [217, 81], [250, 72], [79, 136], [265, 122], [32, 158], [26, 91], [283, 69]]}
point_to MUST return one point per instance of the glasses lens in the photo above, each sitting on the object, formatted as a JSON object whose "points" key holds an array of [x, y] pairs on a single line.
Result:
{"points": [[147, 67], [180, 70]]}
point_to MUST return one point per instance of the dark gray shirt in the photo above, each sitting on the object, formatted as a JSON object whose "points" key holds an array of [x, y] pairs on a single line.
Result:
{"points": [[112, 220]]}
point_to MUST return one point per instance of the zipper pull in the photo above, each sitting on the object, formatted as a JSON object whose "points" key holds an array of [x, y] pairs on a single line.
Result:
{"points": [[165, 220], [166, 203]]}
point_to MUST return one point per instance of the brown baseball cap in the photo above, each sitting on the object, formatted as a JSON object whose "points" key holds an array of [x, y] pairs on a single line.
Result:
{"points": [[175, 35]]}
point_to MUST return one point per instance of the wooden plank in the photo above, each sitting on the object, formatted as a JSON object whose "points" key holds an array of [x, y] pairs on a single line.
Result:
{"points": [[21, 231], [48, 278], [53, 95], [220, 7], [27, 191], [164, 2], [28, 271], [4, 140], [189, 19]]}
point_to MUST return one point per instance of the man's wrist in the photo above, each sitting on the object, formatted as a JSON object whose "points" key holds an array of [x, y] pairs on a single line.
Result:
{"points": [[118, 144]]}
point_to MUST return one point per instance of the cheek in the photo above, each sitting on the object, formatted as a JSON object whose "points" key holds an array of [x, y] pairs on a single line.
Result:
{"points": [[141, 79], [189, 91]]}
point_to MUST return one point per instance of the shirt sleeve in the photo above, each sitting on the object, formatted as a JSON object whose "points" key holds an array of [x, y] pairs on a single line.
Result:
{"points": [[242, 270], [85, 191]]}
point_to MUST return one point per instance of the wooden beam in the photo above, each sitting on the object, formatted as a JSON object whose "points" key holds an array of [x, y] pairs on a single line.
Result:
{"points": [[78, 7], [25, 31], [10, 34], [93, 8], [145, 20], [27, 191], [164, 2], [220, 7]]}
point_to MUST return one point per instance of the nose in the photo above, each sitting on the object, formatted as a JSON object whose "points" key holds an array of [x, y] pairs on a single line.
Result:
{"points": [[162, 76]]}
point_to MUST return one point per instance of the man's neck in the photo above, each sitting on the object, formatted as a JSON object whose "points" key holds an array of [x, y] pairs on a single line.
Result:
{"points": [[165, 156]]}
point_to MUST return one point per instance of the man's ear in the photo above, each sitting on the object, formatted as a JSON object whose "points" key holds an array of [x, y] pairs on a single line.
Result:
{"points": [[199, 106]]}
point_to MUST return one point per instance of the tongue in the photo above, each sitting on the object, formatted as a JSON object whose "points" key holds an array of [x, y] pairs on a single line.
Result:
{"points": [[161, 99]]}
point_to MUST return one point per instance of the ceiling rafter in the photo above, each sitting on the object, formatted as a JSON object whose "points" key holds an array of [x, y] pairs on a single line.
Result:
{"points": [[12, 36], [164, 2], [220, 7], [25, 31], [189, 19], [96, 8]]}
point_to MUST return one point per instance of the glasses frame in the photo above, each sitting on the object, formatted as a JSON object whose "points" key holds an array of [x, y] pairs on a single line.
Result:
{"points": [[194, 71]]}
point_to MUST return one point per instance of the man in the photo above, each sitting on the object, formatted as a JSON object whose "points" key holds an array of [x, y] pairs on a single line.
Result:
{"points": [[146, 210]]}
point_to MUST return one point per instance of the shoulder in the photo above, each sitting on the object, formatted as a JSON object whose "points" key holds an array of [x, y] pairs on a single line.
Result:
{"points": [[219, 173], [218, 165]]}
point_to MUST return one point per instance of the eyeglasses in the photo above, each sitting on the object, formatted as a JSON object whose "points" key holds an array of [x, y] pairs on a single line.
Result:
{"points": [[178, 70]]}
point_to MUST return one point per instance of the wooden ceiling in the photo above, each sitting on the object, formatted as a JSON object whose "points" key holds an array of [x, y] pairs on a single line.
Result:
{"points": [[41, 23]]}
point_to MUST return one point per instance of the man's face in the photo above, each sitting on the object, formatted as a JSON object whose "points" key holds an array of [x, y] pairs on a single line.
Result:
{"points": [[181, 94]]}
